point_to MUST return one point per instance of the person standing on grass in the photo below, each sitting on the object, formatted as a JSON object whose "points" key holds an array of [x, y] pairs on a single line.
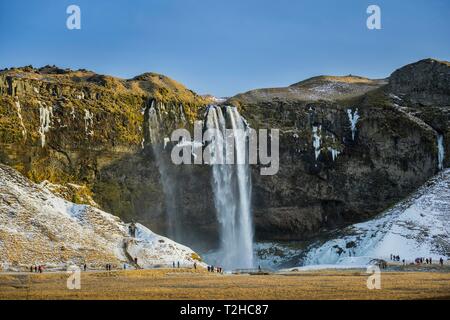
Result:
{"points": [[195, 265], [178, 264]]}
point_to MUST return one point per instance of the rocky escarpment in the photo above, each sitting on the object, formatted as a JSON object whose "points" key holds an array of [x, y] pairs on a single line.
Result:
{"points": [[77, 127], [350, 146]]}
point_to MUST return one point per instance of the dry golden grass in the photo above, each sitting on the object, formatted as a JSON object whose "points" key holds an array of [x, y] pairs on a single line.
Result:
{"points": [[190, 284]]}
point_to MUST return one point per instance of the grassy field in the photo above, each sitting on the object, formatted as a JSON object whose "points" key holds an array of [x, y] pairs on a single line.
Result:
{"points": [[190, 284]]}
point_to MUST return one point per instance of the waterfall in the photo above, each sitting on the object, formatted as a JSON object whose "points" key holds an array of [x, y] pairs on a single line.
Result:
{"points": [[232, 188], [441, 151], [167, 182]]}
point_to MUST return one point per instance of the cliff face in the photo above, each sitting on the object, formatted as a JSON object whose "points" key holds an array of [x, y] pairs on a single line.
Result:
{"points": [[92, 130], [78, 127], [330, 174]]}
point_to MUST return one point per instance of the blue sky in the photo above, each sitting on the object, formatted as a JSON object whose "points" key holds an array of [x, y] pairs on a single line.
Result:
{"points": [[228, 46]]}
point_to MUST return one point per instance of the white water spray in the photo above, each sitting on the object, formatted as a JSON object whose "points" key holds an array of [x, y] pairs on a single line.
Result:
{"points": [[167, 182], [232, 190]]}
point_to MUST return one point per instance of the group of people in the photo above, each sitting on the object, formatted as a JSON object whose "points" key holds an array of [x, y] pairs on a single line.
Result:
{"points": [[424, 260], [429, 261], [215, 269], [108, 267], [420, 260], [397, 258], [38, 269]]}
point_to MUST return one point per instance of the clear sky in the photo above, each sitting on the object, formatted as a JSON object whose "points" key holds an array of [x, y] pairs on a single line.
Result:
{"points": [[224, 47]]}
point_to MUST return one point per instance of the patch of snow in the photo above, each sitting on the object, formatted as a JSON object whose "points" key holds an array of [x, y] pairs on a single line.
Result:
{"points": [[316, 140], [353, 117], [45, 117], [72, 113], [416, 227], [19, 115], [334, 153], [152, 250], [345, 263], [88, 122], [166, 141]]}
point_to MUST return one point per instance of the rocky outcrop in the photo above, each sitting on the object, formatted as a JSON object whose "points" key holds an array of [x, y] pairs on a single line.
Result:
{"points": [[423, 83], [39, 228], [77, 127], [350, 147]]}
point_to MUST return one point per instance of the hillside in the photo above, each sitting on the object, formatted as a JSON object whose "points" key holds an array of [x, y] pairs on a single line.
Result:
{"points": [[326, 88], [39, 228]]}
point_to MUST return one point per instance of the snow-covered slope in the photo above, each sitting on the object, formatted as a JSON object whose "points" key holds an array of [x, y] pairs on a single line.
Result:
{"points": [[416, 227], [38, 227]]}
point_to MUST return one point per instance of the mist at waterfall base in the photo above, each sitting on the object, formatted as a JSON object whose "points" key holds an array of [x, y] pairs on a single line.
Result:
{"points": [[232, 192], [230, 184]]}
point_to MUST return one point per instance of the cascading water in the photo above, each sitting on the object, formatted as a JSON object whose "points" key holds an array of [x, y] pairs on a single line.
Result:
{"points": [[232, 188], [168, 183], [441, 151]]}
